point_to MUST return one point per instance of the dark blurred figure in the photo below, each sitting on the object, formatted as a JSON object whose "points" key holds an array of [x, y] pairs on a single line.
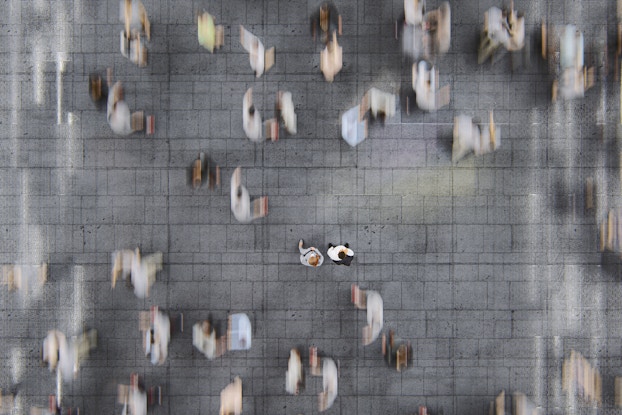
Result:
{"points": [[327, 20], [340, 254], [204, 169], [98, 90], [396, 353]]}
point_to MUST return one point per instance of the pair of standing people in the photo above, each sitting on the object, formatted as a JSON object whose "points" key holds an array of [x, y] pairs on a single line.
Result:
{"points": [[312, 257]]}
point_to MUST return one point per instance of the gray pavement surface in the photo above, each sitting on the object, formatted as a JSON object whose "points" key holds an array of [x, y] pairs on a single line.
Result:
{"points": [[489, 266]]}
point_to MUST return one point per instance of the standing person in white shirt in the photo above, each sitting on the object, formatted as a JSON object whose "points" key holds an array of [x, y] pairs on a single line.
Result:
{"points": [[311, 256]]}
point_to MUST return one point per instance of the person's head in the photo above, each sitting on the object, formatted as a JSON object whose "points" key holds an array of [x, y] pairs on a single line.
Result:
{"points": [[313, 260], [341, 254], [251, 110], [239, 192]]}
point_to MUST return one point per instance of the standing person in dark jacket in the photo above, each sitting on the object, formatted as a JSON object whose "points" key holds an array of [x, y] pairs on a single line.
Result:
{"points": [[340, 254]]}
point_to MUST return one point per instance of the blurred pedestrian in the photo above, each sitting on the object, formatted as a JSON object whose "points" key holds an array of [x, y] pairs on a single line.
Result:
{"points": [[231, 398], [134, 17], [204, 338], [285, 105], [330, 385], [311, 256], [375, 319], [120, 119], [144, 272], [340, 254], [98, 90], [326, 20], [251, 118], [211, 36], [158, 337], [241, 201], [260, 59], [469, 137], [293, 376], [331, 59]]}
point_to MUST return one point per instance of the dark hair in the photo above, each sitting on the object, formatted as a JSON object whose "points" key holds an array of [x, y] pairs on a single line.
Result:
{"points": [[239, 192], [251, 110], [342, 254]]}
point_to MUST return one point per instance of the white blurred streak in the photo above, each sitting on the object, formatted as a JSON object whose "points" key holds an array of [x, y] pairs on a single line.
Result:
{"points": [[37, 68], [17, 365], [60, 25], [78, 299], [60, 68]]}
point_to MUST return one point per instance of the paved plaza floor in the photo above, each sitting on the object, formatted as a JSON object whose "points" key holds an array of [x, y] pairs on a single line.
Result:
{"points": [[489, 266]]}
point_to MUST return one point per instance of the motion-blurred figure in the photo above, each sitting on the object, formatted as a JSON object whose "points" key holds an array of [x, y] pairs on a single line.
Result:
{"points": [[134, 17], [372, 301], [98, 90], [380, 104], [430, 37], [24, 278], [134, 398], [311, 256], [203, 168], [353, 126], [204, 338], [157, 329], [119, 117], [285, 105], [468, 137], [144, 272], [293, 376], [501, 28], [611, 232], [327, 20], [141, 270], [211, 36], [122, 265], [331, 59], [239, 332], [241, 201], [581, 378], [375, 319], [251, 118], [330, 376], [426, 86], [231, 398], [573, 78], [137, 28], [260, 59], [413, 11], [396, 354], [64, 355]]}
